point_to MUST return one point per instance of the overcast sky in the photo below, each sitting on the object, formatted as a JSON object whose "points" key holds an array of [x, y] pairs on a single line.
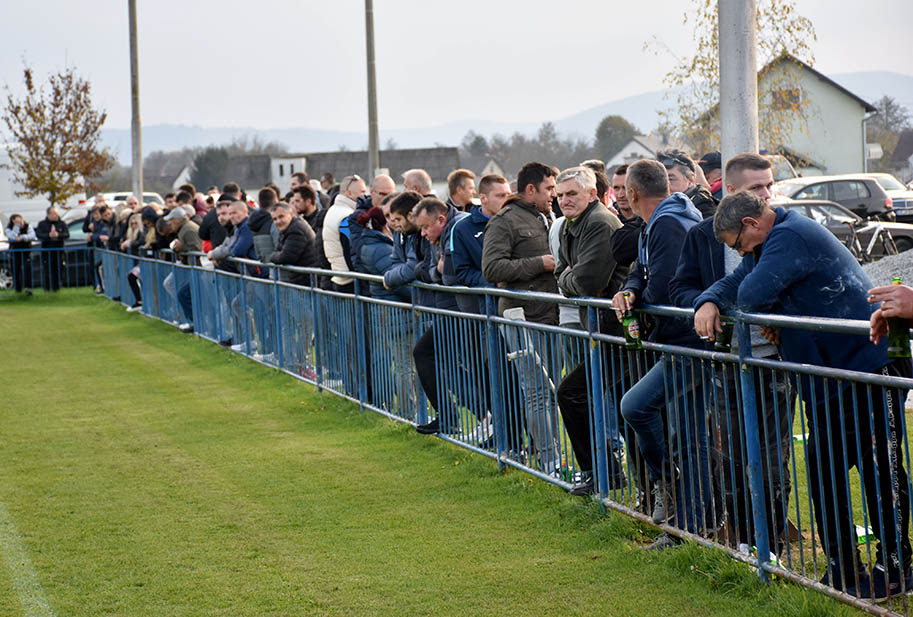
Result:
{"points": [[274, 63]]}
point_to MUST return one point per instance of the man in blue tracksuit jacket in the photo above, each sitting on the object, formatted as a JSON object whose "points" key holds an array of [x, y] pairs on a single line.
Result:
{"points": [[794, 266], [668, 218], [467, 238]]}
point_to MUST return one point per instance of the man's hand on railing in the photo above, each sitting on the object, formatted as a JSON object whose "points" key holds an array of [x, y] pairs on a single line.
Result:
{"points": [[621, 304], [707, 321]]}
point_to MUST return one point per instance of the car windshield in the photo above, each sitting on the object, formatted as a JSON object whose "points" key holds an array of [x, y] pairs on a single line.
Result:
{"points": [[890, 183], [830, 216], [788, 188]]}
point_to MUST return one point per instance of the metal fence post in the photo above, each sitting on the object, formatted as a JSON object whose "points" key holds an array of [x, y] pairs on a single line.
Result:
{"points": [[278, 317], [422, 416], [753, 448], [495, 362], [360, 345], [600, 462]]}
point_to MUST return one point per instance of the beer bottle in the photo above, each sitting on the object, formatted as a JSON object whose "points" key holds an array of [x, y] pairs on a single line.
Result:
{"points": [[724, 339], [630, 325], [898, 333]]}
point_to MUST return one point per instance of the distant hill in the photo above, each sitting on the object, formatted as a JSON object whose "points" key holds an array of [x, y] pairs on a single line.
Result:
{"points": [[641, 110]]}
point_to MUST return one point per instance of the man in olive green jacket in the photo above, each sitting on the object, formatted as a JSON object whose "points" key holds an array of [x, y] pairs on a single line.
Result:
{"points": [[515, 254]]}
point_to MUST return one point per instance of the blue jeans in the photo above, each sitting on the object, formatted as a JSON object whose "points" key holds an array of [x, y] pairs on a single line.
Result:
{"points": [[670, 385]]}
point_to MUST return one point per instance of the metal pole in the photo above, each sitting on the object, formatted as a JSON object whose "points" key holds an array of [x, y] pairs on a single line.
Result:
{"points": [[373, 148], [135, 126], [738, 78]]}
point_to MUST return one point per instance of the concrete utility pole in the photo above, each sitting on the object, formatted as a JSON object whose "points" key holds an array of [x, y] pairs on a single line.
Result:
{"points": [[135, 126], [373, 148], [738, 78]]}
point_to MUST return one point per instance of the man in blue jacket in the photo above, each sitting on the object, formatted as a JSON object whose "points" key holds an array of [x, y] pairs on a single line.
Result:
{"points": [[704, 260], [668, 218], [436, 219], [465, 246], [794, 266]]}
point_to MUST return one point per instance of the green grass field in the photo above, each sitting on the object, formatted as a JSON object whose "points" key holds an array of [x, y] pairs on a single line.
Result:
{"points": [[145, 472]]}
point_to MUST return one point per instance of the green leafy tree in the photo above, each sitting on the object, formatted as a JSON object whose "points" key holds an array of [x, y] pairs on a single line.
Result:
{"points": [[210, 167], [612, 134], [694, 80], [55, 131]]}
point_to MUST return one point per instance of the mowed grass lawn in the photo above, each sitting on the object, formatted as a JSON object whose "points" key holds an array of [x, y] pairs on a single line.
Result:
{"points": [[146, 472]]}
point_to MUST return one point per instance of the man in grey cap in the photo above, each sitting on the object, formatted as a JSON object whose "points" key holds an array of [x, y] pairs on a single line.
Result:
{"points": [[188, 241]]}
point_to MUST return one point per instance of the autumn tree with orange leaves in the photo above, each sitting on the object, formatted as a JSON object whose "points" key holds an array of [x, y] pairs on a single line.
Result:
{"points": [[54, 136]]}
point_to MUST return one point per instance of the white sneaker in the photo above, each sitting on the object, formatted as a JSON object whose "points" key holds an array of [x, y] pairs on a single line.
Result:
{"points": [[240, 347], [482, 432], [134, 308], [268, 358]]}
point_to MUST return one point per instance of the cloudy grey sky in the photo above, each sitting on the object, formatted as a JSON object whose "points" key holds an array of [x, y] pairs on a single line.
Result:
{"points": [[274, 63]]}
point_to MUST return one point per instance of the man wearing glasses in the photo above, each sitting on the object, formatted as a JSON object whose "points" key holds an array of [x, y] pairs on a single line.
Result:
{"points": [[682, 170], [335, 231], [794, 266]]}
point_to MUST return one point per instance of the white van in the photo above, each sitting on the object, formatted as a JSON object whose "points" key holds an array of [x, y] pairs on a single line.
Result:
{"points": [[31, 208]]}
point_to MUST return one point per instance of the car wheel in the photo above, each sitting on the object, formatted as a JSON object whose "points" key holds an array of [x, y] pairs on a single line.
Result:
{"points": [[6, 280], [903, 244]]}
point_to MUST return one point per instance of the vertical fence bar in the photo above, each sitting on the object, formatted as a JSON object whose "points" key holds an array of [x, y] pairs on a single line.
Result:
{"points": [[753, 446], [597, 411]]}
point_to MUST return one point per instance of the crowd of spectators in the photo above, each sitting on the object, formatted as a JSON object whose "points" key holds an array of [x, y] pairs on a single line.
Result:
{"points": [[653, 232]]}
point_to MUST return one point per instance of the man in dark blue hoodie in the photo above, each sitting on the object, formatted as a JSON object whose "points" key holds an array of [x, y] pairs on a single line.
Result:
{"points": [[794, 266], [668, 218]]}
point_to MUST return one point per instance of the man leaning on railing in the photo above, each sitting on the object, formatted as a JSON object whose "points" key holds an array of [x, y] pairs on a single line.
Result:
{"points": [[794, 266]]}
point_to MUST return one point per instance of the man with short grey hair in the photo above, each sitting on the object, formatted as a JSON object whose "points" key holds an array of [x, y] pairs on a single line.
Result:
{"points": [[586, 268], [417, 180], [794, 266]]}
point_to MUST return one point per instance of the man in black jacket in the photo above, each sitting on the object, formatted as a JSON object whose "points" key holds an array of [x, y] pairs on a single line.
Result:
{"points": [[682, 170], [704, 261], [624, 241], [296, 244], [52, 232]]}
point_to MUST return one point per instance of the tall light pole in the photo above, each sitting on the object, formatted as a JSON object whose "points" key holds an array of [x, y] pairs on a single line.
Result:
{"points": [[738, 77], [373, 148], [135, 126]]}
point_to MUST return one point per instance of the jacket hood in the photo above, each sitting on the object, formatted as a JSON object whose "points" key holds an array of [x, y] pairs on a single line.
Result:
{"points": [[678, 205], [372, 236]]}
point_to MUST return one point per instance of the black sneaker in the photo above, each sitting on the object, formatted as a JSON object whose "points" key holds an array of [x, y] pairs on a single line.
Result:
{"points": [[430, 428], [881, 584], [225, 342], [115, 299], [583, 489]]}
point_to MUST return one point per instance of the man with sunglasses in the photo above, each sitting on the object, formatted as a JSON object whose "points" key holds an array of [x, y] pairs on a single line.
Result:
{"points": [[703, 261], [794, 266], [681, 170]]}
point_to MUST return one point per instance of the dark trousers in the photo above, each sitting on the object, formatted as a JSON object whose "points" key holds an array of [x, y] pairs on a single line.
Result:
{"points": [[833, 423], [51, 265], [133, 281], [22, 268], [185, 299], [774, 404]]}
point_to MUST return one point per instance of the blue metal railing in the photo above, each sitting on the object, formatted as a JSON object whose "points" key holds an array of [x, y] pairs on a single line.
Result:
{"points": [[755, 459], [47, 268]]}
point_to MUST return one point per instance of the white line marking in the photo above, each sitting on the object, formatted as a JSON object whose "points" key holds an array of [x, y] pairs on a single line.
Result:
{"points": [[25, 579]]}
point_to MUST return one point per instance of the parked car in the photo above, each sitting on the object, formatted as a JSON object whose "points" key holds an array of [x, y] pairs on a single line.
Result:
{"points": [[860, 193], [78, 269], [839, 221], [901, 196]]}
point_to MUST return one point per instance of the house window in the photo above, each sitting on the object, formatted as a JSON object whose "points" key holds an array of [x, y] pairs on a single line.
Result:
{"points": [[281, 170], [786, 98], [291, 169]]}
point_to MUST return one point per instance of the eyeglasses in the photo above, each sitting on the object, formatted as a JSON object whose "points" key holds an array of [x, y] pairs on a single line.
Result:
{"points": [[671, 161], [347, 182], [737, 245]]}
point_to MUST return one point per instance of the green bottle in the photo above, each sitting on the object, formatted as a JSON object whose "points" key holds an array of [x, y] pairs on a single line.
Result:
{"points": [[898, 333], [631, 326], [724, 339]]}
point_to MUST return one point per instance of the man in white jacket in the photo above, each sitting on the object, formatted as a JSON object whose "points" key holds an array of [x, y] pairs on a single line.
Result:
{"points": [[336, 232]]}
